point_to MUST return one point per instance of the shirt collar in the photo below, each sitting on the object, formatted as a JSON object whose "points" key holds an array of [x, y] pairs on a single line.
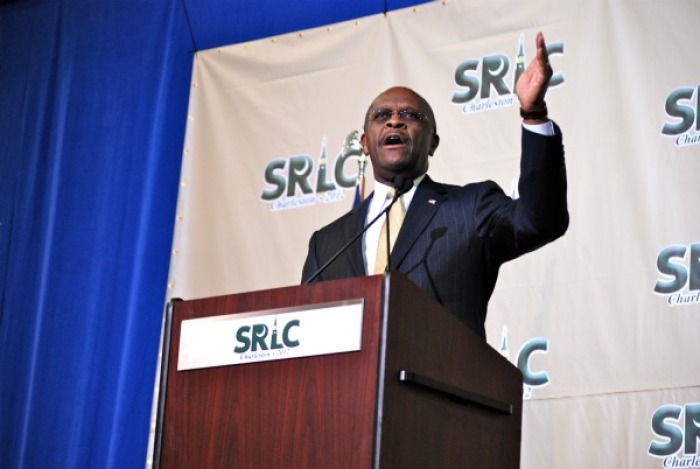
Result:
{"points": [[381, 190]]}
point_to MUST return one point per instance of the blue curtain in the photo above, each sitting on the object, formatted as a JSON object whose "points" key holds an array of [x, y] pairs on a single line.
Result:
{"points": [[92, 114], [93, 101]]}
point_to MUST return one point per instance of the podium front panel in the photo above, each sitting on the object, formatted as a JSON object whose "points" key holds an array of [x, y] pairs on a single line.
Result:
{"points": [[311, 412]]}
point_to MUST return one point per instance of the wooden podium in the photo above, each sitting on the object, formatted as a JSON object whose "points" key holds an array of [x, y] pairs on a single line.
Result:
{"points": [[423, 392]]}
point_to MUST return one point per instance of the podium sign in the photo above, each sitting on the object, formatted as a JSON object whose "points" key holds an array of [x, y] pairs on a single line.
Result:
{"points": [[235, 339]]}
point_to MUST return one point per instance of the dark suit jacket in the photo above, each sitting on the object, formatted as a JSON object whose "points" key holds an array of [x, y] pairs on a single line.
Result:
{"points": [[454, 239]]}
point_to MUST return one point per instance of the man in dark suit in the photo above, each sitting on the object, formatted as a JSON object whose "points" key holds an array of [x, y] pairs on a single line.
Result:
{"points": [[453, 239]]}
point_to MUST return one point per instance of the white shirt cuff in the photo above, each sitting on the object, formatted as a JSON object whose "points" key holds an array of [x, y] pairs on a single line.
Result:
{"points": [[546, 128]]}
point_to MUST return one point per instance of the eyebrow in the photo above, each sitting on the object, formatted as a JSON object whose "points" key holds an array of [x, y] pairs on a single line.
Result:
{"points": [[401, 108]]}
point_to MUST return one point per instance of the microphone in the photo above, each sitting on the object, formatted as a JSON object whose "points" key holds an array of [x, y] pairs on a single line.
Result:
{"points": [[401, 186]]}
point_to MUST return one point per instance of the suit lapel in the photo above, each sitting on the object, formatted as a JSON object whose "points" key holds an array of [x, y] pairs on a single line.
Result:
{"points": [[425, 204]]}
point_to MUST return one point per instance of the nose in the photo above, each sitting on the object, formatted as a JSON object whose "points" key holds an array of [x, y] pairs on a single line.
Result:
{"points": [[395, 120]]}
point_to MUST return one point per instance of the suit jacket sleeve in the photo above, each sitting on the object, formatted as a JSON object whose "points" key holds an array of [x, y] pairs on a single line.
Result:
{"points": [[540, 214]]}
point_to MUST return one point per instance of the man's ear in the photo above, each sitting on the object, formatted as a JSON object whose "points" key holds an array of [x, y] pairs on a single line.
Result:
{"points": [[434, 144], [363, 141]]}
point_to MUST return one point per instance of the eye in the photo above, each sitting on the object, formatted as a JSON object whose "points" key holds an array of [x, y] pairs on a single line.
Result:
{"points": [[410, 115], [382, 115]]}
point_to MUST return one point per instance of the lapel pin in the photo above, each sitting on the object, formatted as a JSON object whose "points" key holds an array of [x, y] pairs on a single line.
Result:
{"points": [[431, 201]]}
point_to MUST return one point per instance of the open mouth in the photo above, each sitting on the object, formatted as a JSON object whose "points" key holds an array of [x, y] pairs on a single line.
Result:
{"points": [[392, 140]]}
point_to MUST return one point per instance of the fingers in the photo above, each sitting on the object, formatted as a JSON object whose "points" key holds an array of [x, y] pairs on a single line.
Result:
{"points": [[542, 57], [541, 48]]}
